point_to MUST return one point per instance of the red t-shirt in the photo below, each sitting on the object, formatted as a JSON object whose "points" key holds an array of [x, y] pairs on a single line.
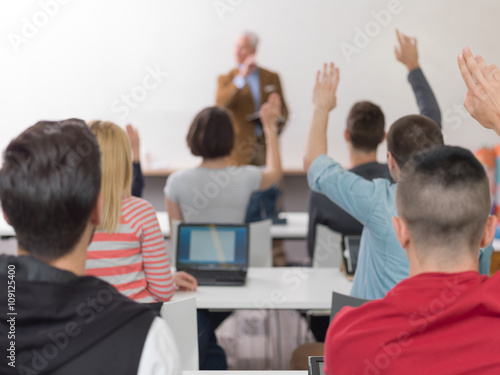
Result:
{"points": [[432, 323]]}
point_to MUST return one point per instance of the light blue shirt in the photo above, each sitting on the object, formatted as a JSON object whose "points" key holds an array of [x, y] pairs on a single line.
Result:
{"points": [[253, 82], [382, 262]]}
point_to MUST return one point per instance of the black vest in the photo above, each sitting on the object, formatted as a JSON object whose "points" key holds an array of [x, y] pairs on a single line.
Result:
{"points": [[69, 325]]}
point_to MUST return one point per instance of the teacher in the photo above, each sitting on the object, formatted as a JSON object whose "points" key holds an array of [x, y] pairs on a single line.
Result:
{"points": [[242, 91]]}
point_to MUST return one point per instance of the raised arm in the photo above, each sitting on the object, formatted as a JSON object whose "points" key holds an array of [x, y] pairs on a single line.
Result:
{"points": [[324, 100], [352, 193], [407, 53], [483, 89], [270, 113]]}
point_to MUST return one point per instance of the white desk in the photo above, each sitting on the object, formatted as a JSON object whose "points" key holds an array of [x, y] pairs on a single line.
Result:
{"points": [[287, 288], [295, 228]]}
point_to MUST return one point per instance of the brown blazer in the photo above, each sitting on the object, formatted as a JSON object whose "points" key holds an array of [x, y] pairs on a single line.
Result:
{"points": [[247, 148]]}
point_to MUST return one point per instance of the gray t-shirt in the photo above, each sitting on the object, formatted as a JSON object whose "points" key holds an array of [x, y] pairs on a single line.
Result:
{"points": [[213, 195]]}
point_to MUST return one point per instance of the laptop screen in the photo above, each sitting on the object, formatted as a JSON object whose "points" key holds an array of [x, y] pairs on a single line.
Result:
{"points": [[212, 245]]}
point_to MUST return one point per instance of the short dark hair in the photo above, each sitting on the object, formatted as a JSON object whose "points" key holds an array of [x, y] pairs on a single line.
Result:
{"points": [[49, 184], [444, 199], [411, 134], [211, 134], [365, 125]]}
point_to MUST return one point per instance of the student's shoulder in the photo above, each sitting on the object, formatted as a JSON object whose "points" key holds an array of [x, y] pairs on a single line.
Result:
{"points": [[239, 171], [324, 164], [185, 175], [371, 171], [181, 173], [133, 204], [246, 169], [350, 321], [324, 167], [367, 317]]}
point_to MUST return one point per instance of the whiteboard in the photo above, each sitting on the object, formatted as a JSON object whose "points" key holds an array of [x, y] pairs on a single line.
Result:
{"points": [[78, 59]]}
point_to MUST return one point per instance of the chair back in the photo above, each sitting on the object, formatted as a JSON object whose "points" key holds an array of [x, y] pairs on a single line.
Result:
{"points": [[180, 314], [328, 248], [341, 300], [260, 244]]}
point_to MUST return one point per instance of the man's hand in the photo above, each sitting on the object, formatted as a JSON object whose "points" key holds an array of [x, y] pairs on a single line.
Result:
{"points": [[324, 95], [248, 66], [185, 281], [483, 84], [133, 137], [270, 113], [406, 51], [324, 99]]}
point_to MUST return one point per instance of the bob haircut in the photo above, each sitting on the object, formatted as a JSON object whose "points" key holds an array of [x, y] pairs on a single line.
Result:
{"points": [[49, 184], [211, 134]]}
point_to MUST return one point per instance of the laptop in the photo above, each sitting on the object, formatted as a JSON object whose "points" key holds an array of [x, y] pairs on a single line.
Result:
{"points": [[215, 254], [316, 365], [350, 253]]}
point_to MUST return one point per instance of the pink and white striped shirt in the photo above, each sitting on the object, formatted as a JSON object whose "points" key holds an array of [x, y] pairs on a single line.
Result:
{"points": [[134, 259]]}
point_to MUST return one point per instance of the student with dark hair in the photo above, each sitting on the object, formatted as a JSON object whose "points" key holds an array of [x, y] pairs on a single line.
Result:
{"points": [[128, 249], [216, 192], [445, 317], [65, 322], [364, 133], [381, 261]]}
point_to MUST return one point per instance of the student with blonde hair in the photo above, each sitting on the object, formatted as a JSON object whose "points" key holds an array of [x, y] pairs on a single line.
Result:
{"points": [[67, 323], [128, 249]]}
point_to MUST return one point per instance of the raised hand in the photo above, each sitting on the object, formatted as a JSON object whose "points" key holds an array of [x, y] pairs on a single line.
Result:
{"points": [[270, 113], [406, 51], [483, 84], [324, 100], [325, 89]]}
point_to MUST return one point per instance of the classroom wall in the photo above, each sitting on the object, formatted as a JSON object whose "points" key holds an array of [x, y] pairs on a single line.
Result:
{"points": [[63, 58]]}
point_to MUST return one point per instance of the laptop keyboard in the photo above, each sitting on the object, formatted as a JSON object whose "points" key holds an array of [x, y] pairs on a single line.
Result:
{"points": [[215, 276]]}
